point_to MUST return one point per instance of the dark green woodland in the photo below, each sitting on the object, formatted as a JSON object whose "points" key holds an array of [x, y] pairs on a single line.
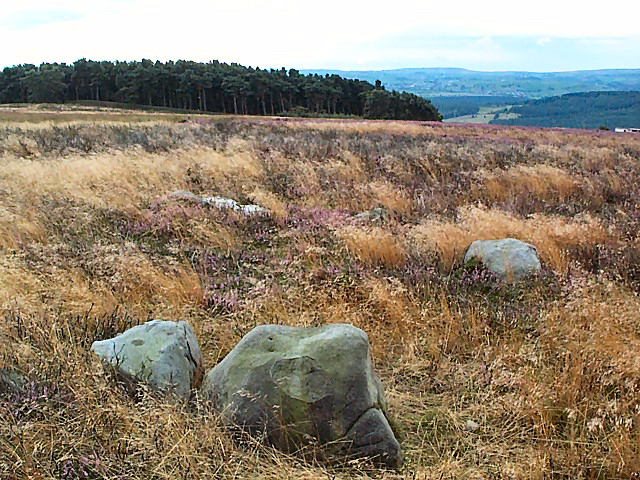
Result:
{"points": [[579, 110], [209, 87]]}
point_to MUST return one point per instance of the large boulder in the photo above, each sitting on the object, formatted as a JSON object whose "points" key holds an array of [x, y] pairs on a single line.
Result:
{"points": [[296, 386], [508, 258], [164, 354]]}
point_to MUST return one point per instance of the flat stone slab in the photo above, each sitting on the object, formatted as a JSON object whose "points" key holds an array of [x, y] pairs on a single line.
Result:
{"points": [[377, 215], [218, 202]]}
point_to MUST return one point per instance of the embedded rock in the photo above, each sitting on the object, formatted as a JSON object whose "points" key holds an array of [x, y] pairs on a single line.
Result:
{"points": [[508, 258], [253, 210], [471, 426], [12, 381], [164, 354], [218, 202], [296, 386], [186, 196], [222, 202], [377, 215]]}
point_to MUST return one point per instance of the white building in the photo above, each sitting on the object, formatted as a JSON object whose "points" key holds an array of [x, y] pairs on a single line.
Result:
{"points": [[623, 130]]}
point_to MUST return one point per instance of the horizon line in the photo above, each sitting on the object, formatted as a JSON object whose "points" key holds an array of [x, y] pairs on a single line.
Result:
{"points": [[326, 69]]}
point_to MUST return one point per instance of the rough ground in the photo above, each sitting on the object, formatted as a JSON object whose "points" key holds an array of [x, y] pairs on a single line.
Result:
{"points": [[90, 245]]}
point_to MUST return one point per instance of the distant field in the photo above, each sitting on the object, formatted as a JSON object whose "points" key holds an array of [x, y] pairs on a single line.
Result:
{"points": [[459, 106], [484, 115], [91, 244], [91, 111]]}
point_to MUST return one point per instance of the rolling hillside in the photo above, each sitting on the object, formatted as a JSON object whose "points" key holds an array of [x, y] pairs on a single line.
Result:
{"points": [[434, 82], [579, 110]]}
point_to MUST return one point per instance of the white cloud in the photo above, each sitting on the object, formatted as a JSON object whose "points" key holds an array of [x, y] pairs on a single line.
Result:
{"points": [[273, 33]]}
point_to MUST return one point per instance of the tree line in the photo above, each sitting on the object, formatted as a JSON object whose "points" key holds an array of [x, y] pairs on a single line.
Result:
{"points": [[209, 87]]}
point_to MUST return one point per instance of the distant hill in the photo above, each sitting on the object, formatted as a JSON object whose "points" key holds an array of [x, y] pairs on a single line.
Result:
{"points": [[434, 82], [579, 110]]}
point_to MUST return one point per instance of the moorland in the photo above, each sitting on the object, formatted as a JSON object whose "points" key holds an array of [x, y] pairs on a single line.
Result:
{"points": [[91, 244]]}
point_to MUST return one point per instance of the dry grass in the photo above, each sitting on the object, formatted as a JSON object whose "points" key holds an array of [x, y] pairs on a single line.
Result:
{"points": [[90, 244], [44, 114], [542, 181], [373, 245], [555, 237]]}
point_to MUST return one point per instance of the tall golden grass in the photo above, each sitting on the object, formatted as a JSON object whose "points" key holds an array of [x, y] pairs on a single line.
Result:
{"points": [[373, 245], [446, 241]]}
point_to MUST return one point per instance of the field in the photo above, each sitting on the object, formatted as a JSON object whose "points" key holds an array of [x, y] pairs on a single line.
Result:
{"points": [[484, 115], [90, 245]]}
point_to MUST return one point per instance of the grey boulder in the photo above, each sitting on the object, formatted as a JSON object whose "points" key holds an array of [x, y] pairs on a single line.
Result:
{"points": [[508, 258], [164, 354], [298, 386]]}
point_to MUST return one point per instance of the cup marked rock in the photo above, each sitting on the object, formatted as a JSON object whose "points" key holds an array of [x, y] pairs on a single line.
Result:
{"points": [[508, 258], [164, 354], [296, 386]]}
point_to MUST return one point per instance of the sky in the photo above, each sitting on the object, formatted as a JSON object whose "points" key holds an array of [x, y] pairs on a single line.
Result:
{"points": [[492, 35]]}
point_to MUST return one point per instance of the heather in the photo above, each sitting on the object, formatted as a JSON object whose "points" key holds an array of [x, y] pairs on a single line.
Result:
{"points": [[92, 243]]}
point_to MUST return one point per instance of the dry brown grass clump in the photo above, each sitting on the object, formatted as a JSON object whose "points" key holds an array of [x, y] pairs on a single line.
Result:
{"points": [[373, 245], [542, 181]]}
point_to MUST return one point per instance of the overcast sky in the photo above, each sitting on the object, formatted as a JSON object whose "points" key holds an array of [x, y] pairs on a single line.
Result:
{"points": [[545, 35]]}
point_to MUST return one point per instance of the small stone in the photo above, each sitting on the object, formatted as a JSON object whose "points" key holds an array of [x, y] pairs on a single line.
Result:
{"points": [[508, 258], [12, 380], [377, 215], [471, 426]]}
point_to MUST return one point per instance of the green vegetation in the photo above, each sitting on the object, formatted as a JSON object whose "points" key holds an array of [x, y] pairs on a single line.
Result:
{"points": [[208, 87], [433, 82], [484, 115], [458, 106], [579, 110], [401, 106]]}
